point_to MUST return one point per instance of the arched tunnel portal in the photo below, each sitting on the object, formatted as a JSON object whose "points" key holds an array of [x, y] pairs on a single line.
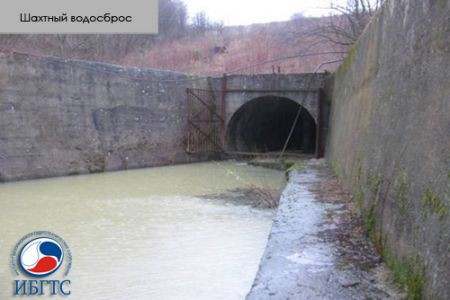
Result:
{"points": [[263, 125]]}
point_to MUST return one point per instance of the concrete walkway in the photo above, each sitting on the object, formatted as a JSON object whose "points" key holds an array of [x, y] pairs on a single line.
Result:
{"points": [[315, 249]]}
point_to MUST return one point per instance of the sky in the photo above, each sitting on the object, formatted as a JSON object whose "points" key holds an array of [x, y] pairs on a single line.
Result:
{"points": [[244, 12]]}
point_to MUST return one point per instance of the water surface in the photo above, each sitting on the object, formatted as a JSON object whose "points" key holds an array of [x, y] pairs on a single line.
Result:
{"points": [[145, 234]]}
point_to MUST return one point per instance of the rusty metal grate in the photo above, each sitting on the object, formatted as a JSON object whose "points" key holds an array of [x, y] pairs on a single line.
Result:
{"points": [[206, 122]]}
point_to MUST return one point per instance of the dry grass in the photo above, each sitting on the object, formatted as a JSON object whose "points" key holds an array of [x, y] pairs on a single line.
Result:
{"points": [[243, 46], [264, 197], [196, 55]]}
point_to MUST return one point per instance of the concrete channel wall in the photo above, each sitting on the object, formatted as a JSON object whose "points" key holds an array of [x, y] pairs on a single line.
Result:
{"points": [[390, 139], [61, 117]]}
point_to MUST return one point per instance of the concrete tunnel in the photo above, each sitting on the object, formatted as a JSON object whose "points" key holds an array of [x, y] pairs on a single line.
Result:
{"points": [[263, 125]]}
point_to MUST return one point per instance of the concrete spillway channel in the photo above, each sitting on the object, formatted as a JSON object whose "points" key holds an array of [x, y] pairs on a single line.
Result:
{"points": [[196, 231], [316, 250]]}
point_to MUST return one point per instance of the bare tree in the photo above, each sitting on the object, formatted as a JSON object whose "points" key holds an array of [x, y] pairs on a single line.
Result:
{"points": [[346, 22], [173, 19], [200, 24]]}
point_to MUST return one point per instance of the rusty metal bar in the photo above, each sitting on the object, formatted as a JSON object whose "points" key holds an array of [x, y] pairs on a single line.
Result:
{"points": [[320, 120], [208, 137], [319, 126], [222, 111], [205, 104], [204, 122], [189, 111]]}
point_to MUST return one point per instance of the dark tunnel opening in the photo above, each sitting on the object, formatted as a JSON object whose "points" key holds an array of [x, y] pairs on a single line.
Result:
{"points": [[263, 125]]}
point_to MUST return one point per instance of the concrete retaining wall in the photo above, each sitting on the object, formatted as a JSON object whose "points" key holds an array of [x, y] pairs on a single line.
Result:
{"points": [[390, 138], [61, 117], [71, 117]]}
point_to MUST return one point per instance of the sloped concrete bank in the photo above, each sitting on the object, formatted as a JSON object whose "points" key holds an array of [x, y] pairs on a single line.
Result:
{"points": [[315, 249], [389, 139]]}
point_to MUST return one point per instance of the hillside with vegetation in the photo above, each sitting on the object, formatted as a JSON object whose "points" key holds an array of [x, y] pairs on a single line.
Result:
{"points": [[200, 46]]}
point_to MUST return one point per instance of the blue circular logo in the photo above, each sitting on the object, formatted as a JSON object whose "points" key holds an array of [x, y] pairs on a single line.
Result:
{"points": [[41, 257]]}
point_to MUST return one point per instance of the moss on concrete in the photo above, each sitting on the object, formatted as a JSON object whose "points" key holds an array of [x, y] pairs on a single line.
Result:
{"points": [[434, 203], [370, 221], [335, 167], [358, 200], [291, 165], [400, 193], [401, 190], [294, 165], [408, 273], [359, 171], [349, 58], [374, 182], [389, 84], [95, 163]]}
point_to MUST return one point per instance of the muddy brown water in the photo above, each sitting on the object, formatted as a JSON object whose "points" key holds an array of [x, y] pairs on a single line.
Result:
{"points": [[145, 234]]}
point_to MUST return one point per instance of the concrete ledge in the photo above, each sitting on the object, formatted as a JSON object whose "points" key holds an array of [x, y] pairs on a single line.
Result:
{"points": [[307, 256]]}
